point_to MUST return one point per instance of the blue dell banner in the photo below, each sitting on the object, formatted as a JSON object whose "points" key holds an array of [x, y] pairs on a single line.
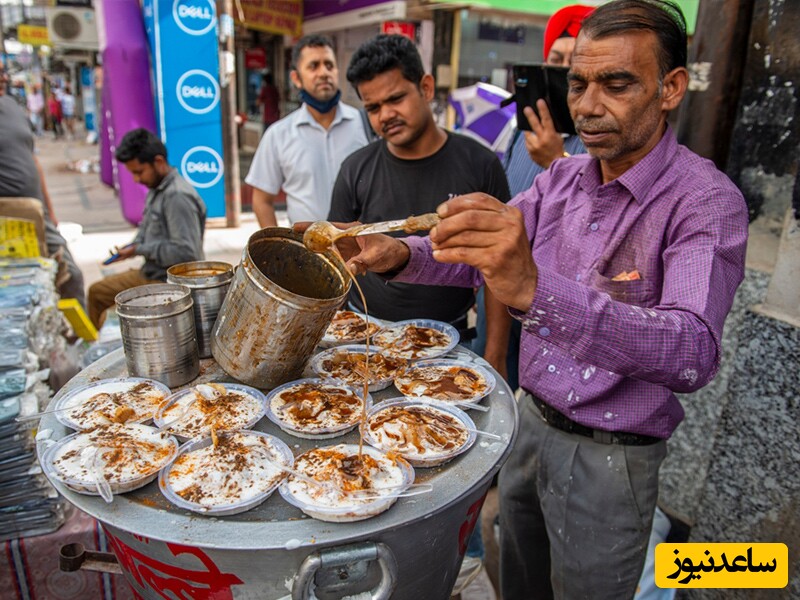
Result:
{"points": [[185, 57]]}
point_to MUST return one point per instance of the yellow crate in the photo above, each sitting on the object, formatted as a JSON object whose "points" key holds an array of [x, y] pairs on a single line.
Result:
{"points": [[77, 317]]}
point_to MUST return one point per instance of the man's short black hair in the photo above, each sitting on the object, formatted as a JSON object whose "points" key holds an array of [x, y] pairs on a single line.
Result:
{"points": [[309, 41], [384, 53], [142, 145], [663, 17]]}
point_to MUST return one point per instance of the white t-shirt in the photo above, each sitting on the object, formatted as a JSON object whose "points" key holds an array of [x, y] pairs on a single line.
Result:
{"points": [[298, 155], [68, 104]]}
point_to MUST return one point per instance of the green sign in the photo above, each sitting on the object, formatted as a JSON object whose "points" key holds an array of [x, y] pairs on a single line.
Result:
{"points": [[548, 7]]}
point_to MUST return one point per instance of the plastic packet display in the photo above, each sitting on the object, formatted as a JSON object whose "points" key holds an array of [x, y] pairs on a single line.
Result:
{"points": [[12, 382]]}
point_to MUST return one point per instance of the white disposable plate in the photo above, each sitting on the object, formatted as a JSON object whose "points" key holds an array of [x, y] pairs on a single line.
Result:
{"points": [[328, 505], [259, 477], [402, 441], [70, 406], [411, 383], [391, 339], [190, 422], [325, 423], [66, 455], [318, 364], [335, 337]]}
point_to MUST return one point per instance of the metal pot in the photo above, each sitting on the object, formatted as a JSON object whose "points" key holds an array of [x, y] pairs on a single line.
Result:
{"points": [[280, 302], [272, 552], [209, 282], [158, 333]]}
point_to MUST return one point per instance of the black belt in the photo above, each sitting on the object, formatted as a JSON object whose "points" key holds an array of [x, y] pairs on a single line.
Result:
{"points": [[554, 418]]}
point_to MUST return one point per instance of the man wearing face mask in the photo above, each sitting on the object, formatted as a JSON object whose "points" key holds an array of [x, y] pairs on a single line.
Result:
{"points": [[301, 153]]}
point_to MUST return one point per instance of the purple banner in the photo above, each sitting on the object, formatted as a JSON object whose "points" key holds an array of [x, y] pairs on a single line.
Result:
{"points": [[313, 9]]}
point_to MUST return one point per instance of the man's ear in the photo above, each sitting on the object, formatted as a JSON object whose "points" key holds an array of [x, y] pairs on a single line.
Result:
{"points": [[427, 86], [673, 88], [160, 165], [295, 77]]}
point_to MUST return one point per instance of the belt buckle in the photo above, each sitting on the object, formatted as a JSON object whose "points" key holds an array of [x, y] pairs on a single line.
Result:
{"points": [[603, 437]]}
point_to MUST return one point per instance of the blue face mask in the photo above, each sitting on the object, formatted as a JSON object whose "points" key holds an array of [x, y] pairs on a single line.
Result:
{"points": [[321, 107]]}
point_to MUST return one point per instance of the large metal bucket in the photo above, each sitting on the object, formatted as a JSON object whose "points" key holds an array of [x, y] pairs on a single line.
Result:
{"points": [[209, 282], [158, 333], [280, 302]]}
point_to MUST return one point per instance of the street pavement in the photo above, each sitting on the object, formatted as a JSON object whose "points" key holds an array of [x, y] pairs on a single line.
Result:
{"points": [[90, 217]]}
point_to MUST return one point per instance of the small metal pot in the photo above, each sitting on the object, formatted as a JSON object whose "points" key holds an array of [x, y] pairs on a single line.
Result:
{"points": [[280, 302], [209, 282], [158, 333]]}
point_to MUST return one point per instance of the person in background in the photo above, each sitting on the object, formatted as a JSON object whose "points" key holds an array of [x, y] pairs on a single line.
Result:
{"points": [[410, 171], [172, 227], [54, 110], [528, 155], [21, 176], [269, 99], [35, 103], [622, 266], [301, 152], [68, 110]]}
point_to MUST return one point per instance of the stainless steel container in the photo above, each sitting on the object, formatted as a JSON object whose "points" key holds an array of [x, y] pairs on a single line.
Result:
{"points": [[158, 334], [411, 552], [280, 302], [209, 282]]}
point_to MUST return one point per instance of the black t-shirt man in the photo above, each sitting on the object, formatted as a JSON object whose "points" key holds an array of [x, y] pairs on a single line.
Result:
{"points": [[374, 185]]}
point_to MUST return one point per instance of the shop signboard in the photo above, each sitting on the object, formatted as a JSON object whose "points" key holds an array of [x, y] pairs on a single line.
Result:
{"points": [[88, 96], [548, 7], [282, 17], [255, 58], [321, 15], [183, 42], [410, 29], [33, 35]]}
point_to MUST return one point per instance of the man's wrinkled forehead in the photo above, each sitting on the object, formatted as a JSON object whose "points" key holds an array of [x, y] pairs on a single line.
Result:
{"points": [[640, 47]]}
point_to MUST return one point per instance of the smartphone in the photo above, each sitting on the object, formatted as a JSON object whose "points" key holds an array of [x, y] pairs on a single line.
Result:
{"points": [[111, 259], [535, 80]]}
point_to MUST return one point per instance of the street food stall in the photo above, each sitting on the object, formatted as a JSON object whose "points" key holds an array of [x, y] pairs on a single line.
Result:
{"points": [[407, 543]]}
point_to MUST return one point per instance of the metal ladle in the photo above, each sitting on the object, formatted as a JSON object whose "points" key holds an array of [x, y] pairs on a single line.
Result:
{"points": [[321, 235]]}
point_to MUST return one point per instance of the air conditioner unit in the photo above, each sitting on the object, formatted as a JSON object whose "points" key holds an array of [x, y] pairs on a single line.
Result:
{"points": [[72, 28]]}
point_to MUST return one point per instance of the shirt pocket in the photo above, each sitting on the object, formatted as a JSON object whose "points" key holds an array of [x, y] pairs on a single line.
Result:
{"points": [[156, 229], [639, 292]]}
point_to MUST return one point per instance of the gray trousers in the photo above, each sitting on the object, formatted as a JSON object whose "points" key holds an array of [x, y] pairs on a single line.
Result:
{"points": [[575, 515]]}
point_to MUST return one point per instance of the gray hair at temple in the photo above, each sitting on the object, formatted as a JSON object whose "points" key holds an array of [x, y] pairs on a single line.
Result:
{"points": [[664, 18]]}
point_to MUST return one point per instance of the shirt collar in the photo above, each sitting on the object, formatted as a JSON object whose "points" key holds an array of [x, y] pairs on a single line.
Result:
{"points": [[304, 117], [638, 180], [167, 179]]}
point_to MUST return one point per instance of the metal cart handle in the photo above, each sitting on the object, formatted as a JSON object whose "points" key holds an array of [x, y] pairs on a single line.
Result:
{"points": [[343, 558]]}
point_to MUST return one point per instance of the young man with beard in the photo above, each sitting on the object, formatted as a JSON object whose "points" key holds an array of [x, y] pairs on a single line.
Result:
{"points": [[621, 266], [301, 153], [172, 227], [410, 171]]}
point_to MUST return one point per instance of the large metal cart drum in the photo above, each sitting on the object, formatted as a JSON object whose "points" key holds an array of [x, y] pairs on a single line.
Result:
{"points": [[410, 552]]}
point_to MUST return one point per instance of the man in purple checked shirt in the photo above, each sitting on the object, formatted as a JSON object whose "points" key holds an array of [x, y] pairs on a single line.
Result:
{"points": [[621, 266]]}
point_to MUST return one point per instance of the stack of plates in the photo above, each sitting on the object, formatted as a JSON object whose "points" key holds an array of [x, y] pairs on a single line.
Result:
{"points": [[28, 504]]}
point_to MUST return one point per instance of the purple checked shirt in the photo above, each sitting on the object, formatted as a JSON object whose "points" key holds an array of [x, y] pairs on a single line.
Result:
{"points": [[609, 354]]}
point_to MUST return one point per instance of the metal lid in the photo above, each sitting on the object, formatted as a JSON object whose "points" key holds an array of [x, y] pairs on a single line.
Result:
{"points": [[200, 274], [153, 301]]}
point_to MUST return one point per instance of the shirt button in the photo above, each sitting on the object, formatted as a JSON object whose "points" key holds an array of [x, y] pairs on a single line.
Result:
{"points": [[551, 368], [593, 226], [578, 277], [544, 332]]}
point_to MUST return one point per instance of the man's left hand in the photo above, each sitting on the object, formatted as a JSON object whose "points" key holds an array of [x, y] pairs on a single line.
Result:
{"points": [[480, 231]]}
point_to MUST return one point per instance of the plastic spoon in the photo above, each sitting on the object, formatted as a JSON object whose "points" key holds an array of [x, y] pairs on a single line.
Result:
{"points": [[98, 467], [321, 235]]}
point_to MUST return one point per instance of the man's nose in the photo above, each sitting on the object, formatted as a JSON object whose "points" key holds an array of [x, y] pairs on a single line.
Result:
{"points": [[589, 103]]}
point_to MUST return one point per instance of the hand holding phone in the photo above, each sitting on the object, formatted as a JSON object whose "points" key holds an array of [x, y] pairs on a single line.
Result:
{"points": [[120, 254], [533, 82]]}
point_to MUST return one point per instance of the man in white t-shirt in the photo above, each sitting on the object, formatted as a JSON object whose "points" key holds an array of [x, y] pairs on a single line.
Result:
{"points": [[68, 110], [301, 153]]}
